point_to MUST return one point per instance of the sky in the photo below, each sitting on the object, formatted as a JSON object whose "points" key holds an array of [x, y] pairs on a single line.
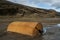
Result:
{"points": [[46, 4]]}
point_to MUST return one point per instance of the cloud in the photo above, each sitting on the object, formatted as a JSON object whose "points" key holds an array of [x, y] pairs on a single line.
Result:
{"points": [[56, 5], [19, 1], [52, 3], [33, 1], [45, 1]]}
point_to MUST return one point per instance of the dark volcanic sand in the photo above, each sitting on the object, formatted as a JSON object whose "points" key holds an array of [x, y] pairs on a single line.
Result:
{"points": [[52, 33]]}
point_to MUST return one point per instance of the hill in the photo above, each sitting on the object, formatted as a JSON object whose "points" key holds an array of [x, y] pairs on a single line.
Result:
{"points": [[14, 9]]}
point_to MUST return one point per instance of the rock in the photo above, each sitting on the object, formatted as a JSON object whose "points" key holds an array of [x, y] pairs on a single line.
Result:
{"points": [[26, 28]]}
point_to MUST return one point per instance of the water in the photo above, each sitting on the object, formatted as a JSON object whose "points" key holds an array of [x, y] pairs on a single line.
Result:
{"points": [[58, 25], [52, 32], [54, 26]]}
